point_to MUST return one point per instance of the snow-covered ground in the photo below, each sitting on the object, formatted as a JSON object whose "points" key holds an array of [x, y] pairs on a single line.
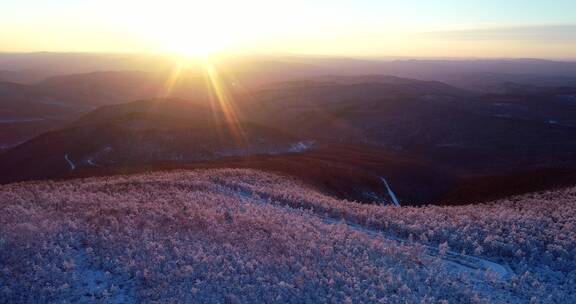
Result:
{"points": [[243, 236]]}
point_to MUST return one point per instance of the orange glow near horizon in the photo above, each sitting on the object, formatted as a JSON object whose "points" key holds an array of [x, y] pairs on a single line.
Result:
{"points": [[422, 28]]}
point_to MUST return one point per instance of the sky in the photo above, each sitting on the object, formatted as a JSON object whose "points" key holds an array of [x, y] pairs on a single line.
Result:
{"points": [[415, 28]]}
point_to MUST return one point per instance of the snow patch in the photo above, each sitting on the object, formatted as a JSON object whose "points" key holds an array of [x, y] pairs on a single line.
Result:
{"points": [[70, 162], [301, 146], [390, 192]]}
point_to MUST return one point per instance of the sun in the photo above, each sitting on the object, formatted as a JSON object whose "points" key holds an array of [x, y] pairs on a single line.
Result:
{"points": [[193, 28], [193, 38], [196, 45]]}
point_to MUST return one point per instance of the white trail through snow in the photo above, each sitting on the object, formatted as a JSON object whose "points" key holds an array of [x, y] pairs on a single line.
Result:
{"points": [[70, 162], [391, 193]]}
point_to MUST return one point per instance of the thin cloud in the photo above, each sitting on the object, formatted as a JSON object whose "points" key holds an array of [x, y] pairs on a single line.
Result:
{"points": [[565, 33]]}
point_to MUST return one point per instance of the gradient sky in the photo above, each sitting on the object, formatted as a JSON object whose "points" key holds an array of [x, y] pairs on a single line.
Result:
{"points": [[462, 28]]}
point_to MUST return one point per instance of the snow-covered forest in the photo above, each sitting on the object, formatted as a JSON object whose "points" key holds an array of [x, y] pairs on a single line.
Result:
{"points": [[244, 236]]}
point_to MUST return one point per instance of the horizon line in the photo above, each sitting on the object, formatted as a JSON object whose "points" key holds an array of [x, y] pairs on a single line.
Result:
{"points": [[273, 54]]}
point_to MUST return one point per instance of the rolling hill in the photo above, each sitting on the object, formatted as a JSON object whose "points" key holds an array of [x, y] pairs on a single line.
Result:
{"points": [[248, 236], [140, 133], [26, 111], [431, 141]]}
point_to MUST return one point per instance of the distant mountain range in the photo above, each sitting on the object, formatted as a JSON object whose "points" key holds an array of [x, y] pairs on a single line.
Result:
{"points": [[437, 130], [341, 133]]}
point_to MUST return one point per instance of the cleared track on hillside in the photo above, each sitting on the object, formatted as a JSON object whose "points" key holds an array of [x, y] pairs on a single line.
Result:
{"points": [[454, 262]]}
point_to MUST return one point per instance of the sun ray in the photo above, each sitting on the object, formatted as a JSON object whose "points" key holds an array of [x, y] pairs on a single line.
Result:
{"points": [[221, 99], [173, 79]]}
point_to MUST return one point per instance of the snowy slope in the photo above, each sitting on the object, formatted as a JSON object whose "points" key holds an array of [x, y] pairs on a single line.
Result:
{"points": [[243, 236]]}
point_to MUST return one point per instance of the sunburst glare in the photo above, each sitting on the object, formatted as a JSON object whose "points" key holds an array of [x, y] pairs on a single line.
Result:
{"points": [[223, 100], [217, 91]]}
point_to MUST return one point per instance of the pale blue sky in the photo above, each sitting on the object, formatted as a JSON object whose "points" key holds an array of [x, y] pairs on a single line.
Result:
{"points": [[504, 11], [362, 27]]}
